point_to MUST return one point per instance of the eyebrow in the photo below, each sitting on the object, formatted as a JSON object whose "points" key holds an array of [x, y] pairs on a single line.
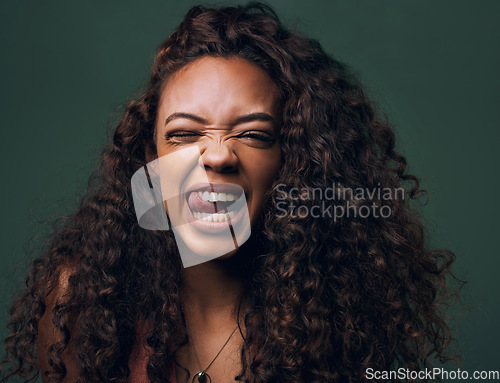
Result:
{"points": [[260, 116]]}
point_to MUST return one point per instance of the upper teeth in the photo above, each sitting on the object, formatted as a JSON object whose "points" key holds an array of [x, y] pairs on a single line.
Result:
{"points": [[214, 197]]}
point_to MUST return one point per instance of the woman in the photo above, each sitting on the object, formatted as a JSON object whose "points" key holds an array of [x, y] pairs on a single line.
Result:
{"points": [[324, 274]]}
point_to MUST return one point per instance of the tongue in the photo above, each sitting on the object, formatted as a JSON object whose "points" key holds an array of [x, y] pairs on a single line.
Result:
{"points": [[196, 204]]}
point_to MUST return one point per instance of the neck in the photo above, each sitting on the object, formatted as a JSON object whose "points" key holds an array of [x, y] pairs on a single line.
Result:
{"points": [[211, 294], [212, 291]]}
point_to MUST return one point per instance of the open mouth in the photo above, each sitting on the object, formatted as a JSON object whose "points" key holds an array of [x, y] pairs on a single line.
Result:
{"points": [[215, 202]]}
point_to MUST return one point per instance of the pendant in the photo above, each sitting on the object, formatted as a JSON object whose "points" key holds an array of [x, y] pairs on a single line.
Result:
{"points": [[202, 376]]}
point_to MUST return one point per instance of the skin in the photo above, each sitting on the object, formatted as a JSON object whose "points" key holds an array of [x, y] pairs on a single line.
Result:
{"points": [[217, 92], [48, 334]]}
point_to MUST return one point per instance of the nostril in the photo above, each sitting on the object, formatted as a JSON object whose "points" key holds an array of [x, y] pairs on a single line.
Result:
{"points": [[220, 169], [220, 159]]}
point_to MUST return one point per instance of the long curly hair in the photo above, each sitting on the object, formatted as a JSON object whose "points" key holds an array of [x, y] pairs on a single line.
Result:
{"points": [[330, 296]]}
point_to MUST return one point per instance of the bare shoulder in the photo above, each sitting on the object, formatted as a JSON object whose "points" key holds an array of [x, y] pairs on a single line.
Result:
{"points": [[49, 334]]}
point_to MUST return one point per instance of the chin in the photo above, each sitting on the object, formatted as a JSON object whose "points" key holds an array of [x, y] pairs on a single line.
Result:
{"points": [[196, 247]]}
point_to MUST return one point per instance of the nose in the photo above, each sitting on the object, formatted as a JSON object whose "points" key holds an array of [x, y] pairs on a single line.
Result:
{"points": [[218, 156]]}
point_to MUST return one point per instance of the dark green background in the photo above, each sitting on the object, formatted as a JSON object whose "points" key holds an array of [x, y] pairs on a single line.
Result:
{"points": [[432, 66]]}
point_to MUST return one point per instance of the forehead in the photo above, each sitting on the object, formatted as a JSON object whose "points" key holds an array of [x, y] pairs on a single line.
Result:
{"points": [[216, 86]]}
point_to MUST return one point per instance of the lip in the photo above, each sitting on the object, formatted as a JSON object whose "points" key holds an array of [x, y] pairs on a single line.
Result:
{"points": [[216, 227], [216, 187]]}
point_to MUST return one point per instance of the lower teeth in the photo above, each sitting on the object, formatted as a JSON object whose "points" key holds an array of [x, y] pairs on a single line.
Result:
{"points": [[216, 217]]}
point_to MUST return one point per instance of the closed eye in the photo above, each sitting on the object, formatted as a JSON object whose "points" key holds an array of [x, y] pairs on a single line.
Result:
{"points": [[181, 136], [256, 135]]}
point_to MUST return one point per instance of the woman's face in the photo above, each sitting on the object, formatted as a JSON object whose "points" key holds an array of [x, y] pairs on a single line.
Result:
{"points": [[217, 141]]}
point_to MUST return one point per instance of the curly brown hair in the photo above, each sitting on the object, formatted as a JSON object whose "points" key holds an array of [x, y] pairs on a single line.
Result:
{"points": [[329, 297]]}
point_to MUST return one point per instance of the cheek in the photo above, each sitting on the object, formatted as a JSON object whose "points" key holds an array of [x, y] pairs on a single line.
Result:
{"points": [[264, 170], [160, 149], [272, 165], [163, 149]]}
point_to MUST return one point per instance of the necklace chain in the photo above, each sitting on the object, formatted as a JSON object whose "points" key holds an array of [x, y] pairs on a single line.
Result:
{"points": [[202, 375]]}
